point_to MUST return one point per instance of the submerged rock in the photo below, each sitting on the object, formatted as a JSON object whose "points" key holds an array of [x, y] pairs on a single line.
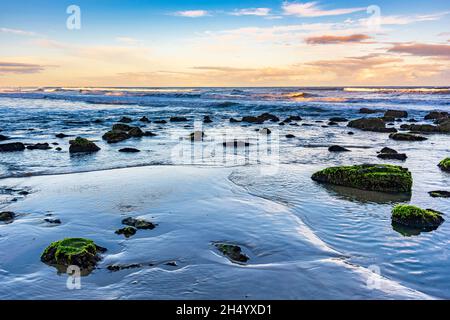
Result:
{"points": [[293, 118], [371, 177], [115, 136], [261, 118], [439, 194], [53, 221], [406, 137], [370, 124], [61, 135], [417, 218], [233, 252], [83, 253], [160, 121], [39, 146], [138, 223], [119, 267], [396, 114], [129, 150], [12, 147], [178, 119], [82, 145], [7, 216], [445, 164], [338, 149], [332, 123], [127, 231], [125, 120]]}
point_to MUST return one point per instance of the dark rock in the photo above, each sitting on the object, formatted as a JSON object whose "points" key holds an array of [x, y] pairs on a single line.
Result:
{"points": [[136, 132], [207, 119], [178, 119], [53, 221], [58, 149], [7, 216], [332, 123], [12, 147], [388, 150], [282, 124], [307, 125], [388, 119], [39, 146], [406, 137], [233, 120], [138, 223], [160, 121], [369, 111], [396, 114], [3, 138], [337, 149], [417, 218], [98, 121], [127, 231], [251, 119], [116, 267], [121, 127], [232, 252], [290, 136], [80, 252], [350, 133], [435, 115], [393, 156], [82, 145], [149, 134], [372, 177], [440, 194], [261, 118], [370, 124], [125, 120], [115, 136], [129, 150], [293, 118], [412, 120], [61, 135], [144, 119], [338, 119]]}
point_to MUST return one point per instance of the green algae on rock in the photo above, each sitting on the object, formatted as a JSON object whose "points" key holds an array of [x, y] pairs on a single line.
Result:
{"points": [[417, 218], [445, 164], [371, 177], [233, 252], [127, 231], [138, 223], [80, 252], [82, 145]]}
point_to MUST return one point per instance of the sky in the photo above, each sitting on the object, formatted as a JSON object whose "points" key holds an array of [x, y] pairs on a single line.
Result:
{"points": [[191, 43]]}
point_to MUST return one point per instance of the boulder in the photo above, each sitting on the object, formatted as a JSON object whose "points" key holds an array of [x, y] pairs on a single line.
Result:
{"points": [[332, 123], [127, 231], [251, 119], [80, 252], [12, 147], [269, 117], [371, 177], [439, 194], [82, 145], [370, 124], [115, 136], [125, 120], [406, 137], [445, 165], [293, 118], [138, 223], [232, 252], [7, 216], [393, 156], [396, 114], [416, 218], [338, 149], [129, 150]]}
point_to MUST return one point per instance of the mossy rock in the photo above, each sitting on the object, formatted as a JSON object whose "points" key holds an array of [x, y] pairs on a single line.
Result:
{"points": [[127, 231], [445, 164], [416, 218], [233, 252], [115, 136], [138, 223], [371, 177], [82, 145], [80, 252]]}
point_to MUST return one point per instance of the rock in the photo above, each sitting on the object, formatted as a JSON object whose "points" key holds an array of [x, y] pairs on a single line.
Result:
{"points": [[293, 124], [58, 149], [160, 121], [144, 119], [98, 121], [393, 156], [350, 133], [369, 111], [171, 264], [412, 120], [436, 115], [371, 177], [396, 114], [338, 149], [281, 124], [12, 147], [233, 252], [406, 137], [207, 119], [125, 120], [127, 231], [53, 221], [121, 127], [7, 216], [445, 165], [307, 125], [388, 150], [39, 146], [55, 143], [251, 119], [197, 136], [332, 123], [338, 119], [80, 252], [235, 144], [120, 267], [290, 136], [444, 126], [3, 138], [233, 120], [149, 134], [61, 135], [138, 223], [115, 136], [370, 124], [261, 118], [178, 119], [265, 131], [417, 218], [421, 128], [82, 145], [136, 132], [388, 119], [129, 150], [293, 118], [440, 194]]}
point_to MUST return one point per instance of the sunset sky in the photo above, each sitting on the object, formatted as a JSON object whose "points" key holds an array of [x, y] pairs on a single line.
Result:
{"points": [[225, 43]]}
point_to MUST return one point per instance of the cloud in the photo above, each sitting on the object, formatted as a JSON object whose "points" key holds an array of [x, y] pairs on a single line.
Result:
{"points": [[252, 12], [128, 40], [20, 68], [404, 19], [192, 13], [333, 39], [422, 49], [311, 9], [17, 32]]}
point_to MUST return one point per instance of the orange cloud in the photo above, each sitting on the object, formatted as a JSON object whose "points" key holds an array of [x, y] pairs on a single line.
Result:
{"points": [[422, 49], [332, 39]]}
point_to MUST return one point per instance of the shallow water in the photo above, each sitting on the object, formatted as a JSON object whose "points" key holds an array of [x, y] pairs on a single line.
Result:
{"points": [[304, 240]]}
